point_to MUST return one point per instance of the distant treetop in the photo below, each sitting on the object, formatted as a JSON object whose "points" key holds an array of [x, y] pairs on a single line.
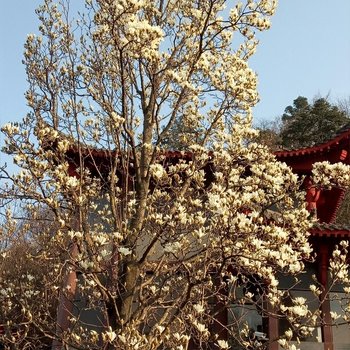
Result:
{"points": [[305, 124]]}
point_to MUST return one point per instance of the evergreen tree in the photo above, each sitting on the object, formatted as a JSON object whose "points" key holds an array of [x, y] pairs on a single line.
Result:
{"points": [[305, 124]]}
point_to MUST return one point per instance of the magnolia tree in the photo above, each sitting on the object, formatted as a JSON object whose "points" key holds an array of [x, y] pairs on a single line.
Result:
{"points": [[128, 246]]}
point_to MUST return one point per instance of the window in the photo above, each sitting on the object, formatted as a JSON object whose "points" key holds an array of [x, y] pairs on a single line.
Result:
{"points": [[341, 330], [247, 320], [300, 288]]}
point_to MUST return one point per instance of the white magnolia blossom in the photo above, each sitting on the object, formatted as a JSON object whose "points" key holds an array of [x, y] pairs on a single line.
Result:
{"points": [[199, 308], [109, 335], [157, 171], [223, 344], [327, 174], [124, 250]]}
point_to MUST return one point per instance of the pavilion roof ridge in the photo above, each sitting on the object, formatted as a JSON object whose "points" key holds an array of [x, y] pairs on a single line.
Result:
{"points": [[330, 230], [333, 140], [331, 226]]}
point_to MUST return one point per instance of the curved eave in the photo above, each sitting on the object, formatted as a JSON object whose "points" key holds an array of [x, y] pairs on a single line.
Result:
{"points": [[330, 233], [108, 154], [338, 202], [328, 204], [321, 148]]}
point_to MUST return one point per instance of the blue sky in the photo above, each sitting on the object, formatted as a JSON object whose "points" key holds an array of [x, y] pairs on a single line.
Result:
{"points": [[306, 52]]}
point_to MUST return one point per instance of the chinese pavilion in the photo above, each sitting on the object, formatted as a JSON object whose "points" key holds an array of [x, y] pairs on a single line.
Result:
{"points": [[324, 237]]}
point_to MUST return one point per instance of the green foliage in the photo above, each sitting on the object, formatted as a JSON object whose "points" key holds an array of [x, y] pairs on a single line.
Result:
{"points": [[343, 214], [305, 124], [179, 136]]}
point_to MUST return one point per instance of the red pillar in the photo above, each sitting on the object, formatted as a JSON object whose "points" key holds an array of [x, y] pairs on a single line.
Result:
{"points": [[273, 329], [65, 306], [325, 304], [219, 326]]}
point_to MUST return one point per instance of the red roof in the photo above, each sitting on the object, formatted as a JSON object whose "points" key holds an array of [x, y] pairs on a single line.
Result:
{"points": [[334, 150], [300, 160], [331, 230]]}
